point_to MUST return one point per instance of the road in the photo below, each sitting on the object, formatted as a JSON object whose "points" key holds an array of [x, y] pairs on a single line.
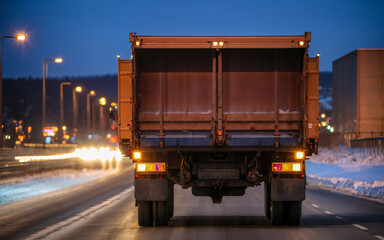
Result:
{"points": [[105, 209]]}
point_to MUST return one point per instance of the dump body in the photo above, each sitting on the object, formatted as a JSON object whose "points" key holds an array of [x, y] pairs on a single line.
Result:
{"points": [[218, 115], [249, 92], [358, 82]]}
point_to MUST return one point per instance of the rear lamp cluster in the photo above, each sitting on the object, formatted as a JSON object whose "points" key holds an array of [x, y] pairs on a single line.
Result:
{"points": [[286, 167], [150, 167]]}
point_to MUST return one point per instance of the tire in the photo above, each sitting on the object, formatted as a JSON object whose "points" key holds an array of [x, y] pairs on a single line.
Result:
{"points": [[267, 200], [160, 213], [293, 213], [145, 213], [170, 201], [277, 213]]}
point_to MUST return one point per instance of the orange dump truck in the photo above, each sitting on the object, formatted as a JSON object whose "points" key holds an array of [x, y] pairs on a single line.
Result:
{"points": [[218, 115]]}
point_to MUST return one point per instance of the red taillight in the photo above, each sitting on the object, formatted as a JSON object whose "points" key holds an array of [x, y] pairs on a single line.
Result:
{"points": [[277, 167]]}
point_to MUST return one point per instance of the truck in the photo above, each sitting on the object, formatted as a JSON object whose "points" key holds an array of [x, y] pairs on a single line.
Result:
{"points": [[358, 82], [217, 115]]}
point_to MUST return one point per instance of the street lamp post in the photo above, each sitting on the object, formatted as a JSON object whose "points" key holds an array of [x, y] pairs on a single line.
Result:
{"points": [[56, 60], [18, 38], [91, 93], [77, 89], [62, 84], [102, 102]]}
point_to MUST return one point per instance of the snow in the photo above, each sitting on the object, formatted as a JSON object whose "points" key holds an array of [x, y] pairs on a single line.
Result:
{"points": [[17, 189], [357, 171]]}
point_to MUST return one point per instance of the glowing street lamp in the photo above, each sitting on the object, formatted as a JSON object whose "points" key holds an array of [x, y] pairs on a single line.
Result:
{"points": [[45, 71], [19, 37], [102, 101]]}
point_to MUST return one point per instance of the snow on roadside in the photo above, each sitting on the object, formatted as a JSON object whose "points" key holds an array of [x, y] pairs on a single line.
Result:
{"points": [[356, 171], [20, 188]]}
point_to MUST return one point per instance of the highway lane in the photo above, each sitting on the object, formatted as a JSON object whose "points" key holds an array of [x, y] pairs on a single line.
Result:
{"points": [[20, 219], [326, 215]]}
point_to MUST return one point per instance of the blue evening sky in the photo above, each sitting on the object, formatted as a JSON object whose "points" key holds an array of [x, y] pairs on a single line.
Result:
{"points": [[88, 34]]}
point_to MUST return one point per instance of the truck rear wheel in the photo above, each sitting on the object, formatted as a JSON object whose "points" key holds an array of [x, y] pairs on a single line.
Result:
{"points": [[267, 200], [161, 213], [293, 213], [277, 213], [145, 213]]}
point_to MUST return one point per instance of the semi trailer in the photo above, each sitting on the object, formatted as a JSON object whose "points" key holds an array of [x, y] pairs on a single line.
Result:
{"points": [[217, 115]]}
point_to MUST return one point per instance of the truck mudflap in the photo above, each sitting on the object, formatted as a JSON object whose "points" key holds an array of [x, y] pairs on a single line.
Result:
{"points": [[287, 189], [151, 189]]}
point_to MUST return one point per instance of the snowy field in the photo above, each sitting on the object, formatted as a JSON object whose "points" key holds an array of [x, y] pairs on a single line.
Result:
{"points": [[356, 171]]}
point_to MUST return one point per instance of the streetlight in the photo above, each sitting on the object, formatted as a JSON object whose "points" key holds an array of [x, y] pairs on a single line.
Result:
{"points": [[19, 37], [77, 89], [102, 102], [91, 93], [56, 60], [62, 101]]}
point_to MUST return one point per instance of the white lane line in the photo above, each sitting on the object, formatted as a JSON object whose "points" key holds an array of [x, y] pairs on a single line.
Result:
{"points": [[379, 237], [314, 205], [338, 217], [328, 212], [86, 213], [359, 226]]}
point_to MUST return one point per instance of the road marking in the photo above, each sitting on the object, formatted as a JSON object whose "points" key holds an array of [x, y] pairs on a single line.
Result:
{"points": [[45, 233], [328, 212], [379, 237], [314, 205], [359, 226], [338, 217]]}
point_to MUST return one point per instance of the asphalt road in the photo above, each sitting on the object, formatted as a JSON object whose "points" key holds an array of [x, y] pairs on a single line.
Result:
{"points": [[105, 209]]}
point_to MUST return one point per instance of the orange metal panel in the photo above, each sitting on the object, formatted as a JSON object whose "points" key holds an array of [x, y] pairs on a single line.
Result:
{"points": [[313, 98], [370, 83], [158, 42], [125, 101]]}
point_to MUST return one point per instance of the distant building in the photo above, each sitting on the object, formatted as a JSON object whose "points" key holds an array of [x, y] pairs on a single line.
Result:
{"points": [[358, 95]]}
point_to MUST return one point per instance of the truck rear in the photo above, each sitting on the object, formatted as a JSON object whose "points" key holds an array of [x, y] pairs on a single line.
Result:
{"points": [[218, 115]]}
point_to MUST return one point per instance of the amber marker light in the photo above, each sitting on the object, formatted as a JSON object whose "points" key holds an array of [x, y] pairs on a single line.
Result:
{"points": [[58, 60], [215, 43], [93, 93], [301, 43], [299, 155], [136, 155], [137, 43], [21, 37], [221, 44]]}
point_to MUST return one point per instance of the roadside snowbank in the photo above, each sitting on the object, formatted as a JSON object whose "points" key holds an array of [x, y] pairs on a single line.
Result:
{"points": [[354, 170], [17, 189]]}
